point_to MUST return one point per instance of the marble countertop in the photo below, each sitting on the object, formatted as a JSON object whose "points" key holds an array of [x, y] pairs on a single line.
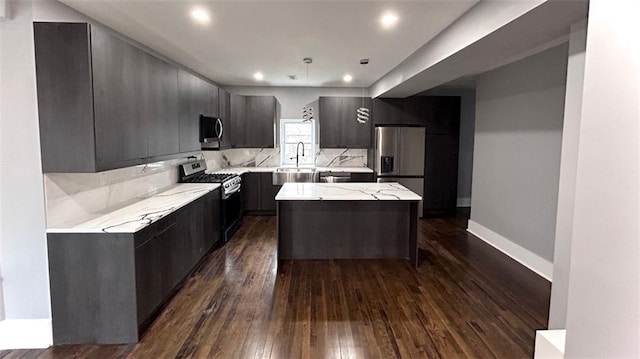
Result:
{"points": [[243, 170], [136, 216], [388, 191]]}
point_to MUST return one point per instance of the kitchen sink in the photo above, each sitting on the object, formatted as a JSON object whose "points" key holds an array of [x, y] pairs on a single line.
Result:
{"points": [[283, 175]]}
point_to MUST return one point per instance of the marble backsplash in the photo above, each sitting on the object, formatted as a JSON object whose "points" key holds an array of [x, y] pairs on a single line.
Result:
{"points": [[270, 157], [72, 197], [341, 157]]}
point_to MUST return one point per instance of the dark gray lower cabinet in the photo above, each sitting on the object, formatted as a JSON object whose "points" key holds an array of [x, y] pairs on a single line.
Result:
{"points": [[259, 193], [251, 192], [347, 230], [441, 174], [362, 177], [106, 288]]}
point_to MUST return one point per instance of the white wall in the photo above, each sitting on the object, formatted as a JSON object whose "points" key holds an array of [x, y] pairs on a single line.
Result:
{"points": [[603, 312], [3, 15], [516, 167], [292, 99], [23, 241], [23, 255], [568, 170]]}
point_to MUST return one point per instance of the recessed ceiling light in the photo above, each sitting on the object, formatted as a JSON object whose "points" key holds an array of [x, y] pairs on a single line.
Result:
{"points": [[258, 76], [388, 20], [200, 15], [347, 78]]}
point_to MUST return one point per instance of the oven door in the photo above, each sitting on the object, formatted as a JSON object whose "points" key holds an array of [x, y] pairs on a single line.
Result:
{"points": [[231, 214]]}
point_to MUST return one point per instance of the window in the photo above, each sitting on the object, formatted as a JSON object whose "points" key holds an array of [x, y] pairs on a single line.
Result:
{"points": [[291, 133]]}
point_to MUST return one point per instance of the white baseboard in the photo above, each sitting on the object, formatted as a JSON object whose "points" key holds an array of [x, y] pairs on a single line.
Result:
{"points": [[550, 344], [464, 202], [541, 266], [25, 334]]}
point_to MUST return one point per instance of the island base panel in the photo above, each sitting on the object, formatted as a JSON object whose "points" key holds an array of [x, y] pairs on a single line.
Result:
{"points": [[347, 230], [93, 288]]}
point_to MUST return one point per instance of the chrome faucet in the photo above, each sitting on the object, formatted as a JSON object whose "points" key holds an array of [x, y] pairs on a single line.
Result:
{"points": [[298, 152]]}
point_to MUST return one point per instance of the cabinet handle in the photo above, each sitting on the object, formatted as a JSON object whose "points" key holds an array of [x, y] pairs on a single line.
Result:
{"points": [[220, 128]]}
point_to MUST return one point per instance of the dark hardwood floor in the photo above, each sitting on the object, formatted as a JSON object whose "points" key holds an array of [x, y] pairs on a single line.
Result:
{"points": [[465, 300]]}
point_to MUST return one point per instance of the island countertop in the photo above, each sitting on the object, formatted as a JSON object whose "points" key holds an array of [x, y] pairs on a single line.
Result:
{"points": [[135, 216], [389, 191]]}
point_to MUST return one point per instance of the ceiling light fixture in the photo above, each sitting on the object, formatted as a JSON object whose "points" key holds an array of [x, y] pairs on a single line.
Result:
{"points": [[388, 20], [258, 76], [200, 15], [363, 113], [347, 78], [307, 111]]}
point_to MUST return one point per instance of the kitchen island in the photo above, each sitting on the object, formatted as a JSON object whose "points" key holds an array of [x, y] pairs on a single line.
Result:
{"points": [[347, 220]]}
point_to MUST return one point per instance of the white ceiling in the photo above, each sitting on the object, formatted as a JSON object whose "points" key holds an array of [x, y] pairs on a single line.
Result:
{"points": [[273, 36]]}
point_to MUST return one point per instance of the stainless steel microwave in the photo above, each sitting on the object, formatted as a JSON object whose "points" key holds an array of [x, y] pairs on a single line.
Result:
{"points": [[211, 131]]}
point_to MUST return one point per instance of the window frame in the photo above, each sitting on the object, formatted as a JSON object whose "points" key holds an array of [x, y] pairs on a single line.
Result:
{"points": [[282, 134]]}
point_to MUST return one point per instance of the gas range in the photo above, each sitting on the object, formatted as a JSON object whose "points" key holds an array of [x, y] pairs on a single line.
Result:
{"points": [[231, 204], [194, 172]]}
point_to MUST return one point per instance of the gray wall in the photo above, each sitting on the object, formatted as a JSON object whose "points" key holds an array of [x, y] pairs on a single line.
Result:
{"points": [[568, 171], [467, 131], [518, 137], [22, 233]]}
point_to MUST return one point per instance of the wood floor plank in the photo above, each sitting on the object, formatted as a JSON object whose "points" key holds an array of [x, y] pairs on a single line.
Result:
{"points": [[465, 300]]}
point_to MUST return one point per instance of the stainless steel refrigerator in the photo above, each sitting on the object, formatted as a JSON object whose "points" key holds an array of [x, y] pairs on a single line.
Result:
{"points": [[399, 157]]}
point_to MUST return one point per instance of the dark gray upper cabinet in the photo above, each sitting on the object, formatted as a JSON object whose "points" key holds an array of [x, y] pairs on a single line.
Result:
{"points": [[105, 103], [262, 115], [390, 111], [338, 125], [119, 93], [160, 107], [214, 100], [238, 115], [196, 98], [253, 120], [446, 115], [65, 97], [439, 114], [224, 105]]}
